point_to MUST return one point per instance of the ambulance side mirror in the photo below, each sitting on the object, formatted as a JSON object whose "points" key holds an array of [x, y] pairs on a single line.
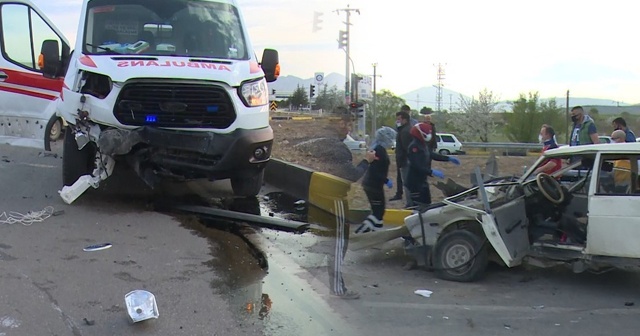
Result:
{"points": [[49, 59], [270, 65]]}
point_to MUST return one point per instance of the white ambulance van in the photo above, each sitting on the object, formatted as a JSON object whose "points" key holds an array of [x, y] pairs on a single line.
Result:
{"points": [[171, 87]]}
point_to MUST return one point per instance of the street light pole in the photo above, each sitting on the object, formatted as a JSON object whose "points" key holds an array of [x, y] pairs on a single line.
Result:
{"points": [[347, 46], [373, 107]]}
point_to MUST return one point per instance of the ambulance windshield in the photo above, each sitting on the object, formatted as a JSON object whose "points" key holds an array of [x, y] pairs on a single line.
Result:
{"points": [[190, 28]]}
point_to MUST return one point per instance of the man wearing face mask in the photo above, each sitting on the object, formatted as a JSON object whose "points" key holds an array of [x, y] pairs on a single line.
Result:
{"points": [[403, 138], [419, 156], [547, 138], [584, 129], [621, 124]]}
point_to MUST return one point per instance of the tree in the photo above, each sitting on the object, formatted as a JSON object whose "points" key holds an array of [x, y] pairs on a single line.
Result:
{"points": [[426, 110], [329, 99], [529, 114], [475, 121], [299, 97], [387, 104]]}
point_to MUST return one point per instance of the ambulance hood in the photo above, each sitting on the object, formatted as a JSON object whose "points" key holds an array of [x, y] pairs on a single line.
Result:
{"points": [[123, 68]]}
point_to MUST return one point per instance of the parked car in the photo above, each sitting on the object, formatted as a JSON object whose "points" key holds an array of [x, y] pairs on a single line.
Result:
{"points": [[354, 144], [447, 144], [591, 223], [605, 139]]}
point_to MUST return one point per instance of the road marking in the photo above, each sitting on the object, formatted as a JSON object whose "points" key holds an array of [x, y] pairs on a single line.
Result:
{"points": [[495, 308], [37, 165]]}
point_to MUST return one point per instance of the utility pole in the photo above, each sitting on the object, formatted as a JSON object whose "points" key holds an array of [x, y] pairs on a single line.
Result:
{"points": [[374, 125], [345, 41], [418, 101], [567, 120], [440, 78], [450, 103]]}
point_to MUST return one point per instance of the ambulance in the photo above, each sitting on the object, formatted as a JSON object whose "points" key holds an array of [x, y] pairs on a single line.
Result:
{"points": [[169, 87]]}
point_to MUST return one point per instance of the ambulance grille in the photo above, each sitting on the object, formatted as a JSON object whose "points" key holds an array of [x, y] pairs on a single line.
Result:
{"points": [[180, 105]]}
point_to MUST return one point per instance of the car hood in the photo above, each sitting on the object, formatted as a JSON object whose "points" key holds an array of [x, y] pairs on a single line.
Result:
{"points": [[122, 68]]}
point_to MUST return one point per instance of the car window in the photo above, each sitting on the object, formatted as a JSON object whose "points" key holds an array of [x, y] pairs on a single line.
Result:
{"points": [[438, 138], [618, 175], [23, 32], [448, 138]]}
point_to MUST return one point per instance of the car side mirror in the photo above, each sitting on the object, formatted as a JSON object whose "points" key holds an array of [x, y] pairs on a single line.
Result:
{"points": [[49, 59], [270, 65]]}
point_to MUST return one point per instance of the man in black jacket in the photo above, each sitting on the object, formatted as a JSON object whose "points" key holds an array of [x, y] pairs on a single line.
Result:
{"points": [[403, 138], [419, 157]]}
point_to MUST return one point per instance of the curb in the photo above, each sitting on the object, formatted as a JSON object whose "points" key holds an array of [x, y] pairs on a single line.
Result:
{"points": [[321, 190]]}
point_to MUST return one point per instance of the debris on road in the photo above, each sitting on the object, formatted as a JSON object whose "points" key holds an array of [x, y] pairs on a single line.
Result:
{"points": [[629, 304], [141, 305], [423, 292], [97, 247], [27, 219], [89, 322], [48, 154], [506, 326], [538, 307]]}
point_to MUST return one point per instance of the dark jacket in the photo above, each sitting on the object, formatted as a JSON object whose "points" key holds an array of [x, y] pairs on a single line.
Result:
{"points": [[376, 175], [419, 157], [403, 139], [433, 143]]}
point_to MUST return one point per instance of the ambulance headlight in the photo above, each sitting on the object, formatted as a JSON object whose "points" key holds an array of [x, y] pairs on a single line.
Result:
{"points": [[254, 93]]}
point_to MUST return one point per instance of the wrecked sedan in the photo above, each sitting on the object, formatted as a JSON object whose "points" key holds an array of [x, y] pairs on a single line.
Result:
{"points": [[589, 223]]}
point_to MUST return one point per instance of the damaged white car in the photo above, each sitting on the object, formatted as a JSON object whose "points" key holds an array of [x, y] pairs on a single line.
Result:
{"points": [[590, 222]]}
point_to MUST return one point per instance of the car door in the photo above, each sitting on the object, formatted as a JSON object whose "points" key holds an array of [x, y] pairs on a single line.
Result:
{"points": [[26, 96], [506, 228], [614, 208]]}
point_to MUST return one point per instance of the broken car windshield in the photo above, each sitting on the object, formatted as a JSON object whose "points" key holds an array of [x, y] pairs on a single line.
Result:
{"points": [[177, 28]]}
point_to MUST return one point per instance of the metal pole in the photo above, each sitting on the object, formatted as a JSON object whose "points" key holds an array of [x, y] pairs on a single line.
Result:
{"points": [[347, 58], [373, 105], [567, 120]]}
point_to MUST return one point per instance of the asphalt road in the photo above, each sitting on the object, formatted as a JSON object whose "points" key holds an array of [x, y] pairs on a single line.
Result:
{"points": [[209, 278]]}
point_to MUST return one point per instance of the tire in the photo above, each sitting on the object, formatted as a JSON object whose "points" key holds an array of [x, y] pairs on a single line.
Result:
{"points": [[56, 130], [455, 249], [444, 152], [76, 163], [248, 186]]}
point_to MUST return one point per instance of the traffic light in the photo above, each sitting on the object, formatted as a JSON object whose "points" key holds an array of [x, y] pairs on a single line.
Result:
{"points": [[312, 90], [316, 21], [357, 109], [273, 92], [343, 39]]}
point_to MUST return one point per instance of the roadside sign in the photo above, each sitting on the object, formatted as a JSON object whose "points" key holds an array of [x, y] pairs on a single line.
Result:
{"points": [[274, 106], [319, 77]]}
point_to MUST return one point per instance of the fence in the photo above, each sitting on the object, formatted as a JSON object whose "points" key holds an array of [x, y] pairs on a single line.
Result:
{"points": [[508, 148]]}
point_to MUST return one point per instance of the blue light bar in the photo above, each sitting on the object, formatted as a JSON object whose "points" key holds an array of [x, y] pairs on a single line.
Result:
{"points": [[151, 118]]}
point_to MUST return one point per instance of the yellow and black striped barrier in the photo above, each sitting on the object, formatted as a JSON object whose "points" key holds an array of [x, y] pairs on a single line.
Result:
{"points": [[321, 190]]}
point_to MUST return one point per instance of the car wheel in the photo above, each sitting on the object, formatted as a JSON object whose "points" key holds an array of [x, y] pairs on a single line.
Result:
{"points": [[56, 130], [247, 186], [444, 152], [76, 163], [460, 256]]}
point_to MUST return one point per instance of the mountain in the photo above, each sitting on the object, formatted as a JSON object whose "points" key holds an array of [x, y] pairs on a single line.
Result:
{"points": [[287, 84], [427, 96]]}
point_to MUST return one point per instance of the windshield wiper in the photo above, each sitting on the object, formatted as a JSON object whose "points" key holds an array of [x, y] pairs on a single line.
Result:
{"points": [[103, 48]]}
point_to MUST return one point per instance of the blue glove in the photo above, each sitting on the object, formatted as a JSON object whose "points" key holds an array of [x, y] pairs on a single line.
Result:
{"points": [[389, 183], [454, 160], [437, 173]]}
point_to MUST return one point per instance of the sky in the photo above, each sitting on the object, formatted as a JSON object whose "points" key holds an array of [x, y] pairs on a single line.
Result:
{"points": [[508, 47]]}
